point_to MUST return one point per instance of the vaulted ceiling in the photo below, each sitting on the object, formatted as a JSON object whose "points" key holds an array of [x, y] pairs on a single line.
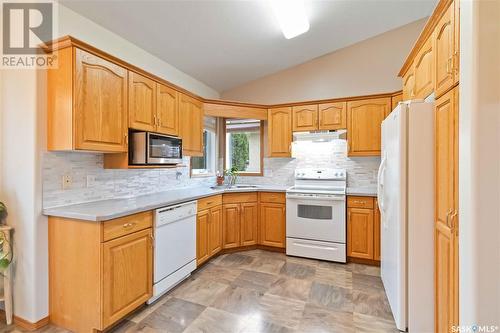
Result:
{"points": [[228, 43]]}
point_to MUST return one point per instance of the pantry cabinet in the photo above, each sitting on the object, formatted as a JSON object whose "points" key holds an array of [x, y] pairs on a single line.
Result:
{"points": [[305, 118], [87, 103], [409, 85], [141, 102], [99, 272], [364, 118], [424, 70], [279, 132], [445, 47], [191, 125], [363, 228]]}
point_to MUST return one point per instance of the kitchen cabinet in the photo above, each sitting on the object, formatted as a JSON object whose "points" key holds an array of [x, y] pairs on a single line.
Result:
{"points": [[191, 125], [208, 228], [445, 58], [87, 103], [249, 223], [141, 102], [167, 112], [230, 225], [240, 220], [279, 132], [332, 116], [424, 70], [99, 272], [446, 211], [364, 118], [305, 118], [409, 85], [363, 228], [272, 219], [395, 99]]}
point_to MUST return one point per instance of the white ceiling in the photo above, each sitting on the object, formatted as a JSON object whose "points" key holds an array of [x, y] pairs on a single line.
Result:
{"points": [[228, 43]]}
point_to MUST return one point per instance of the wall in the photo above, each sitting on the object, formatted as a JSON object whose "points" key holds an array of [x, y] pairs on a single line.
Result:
{"points": [[479, 164], [22, 139], [368, 67]]}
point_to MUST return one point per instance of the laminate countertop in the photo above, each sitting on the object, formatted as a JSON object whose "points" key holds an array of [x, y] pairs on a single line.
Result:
{"points": [[104, 210], [365, 191]]}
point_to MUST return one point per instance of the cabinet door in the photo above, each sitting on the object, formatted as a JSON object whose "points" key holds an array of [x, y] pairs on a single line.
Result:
{"points": [[446, 211], [272, 224], [409, 85], [376, 232], [202, 230], [166, 110], [443, 46], [215, 231], [100, 105], [127, 275], [395, 99], [456, 45], [249, 223], [230, 226], [141, 102], [279, 132], [332, 116], [363, 125], [305, 118], [191, 125], [424, 70], [360, 233]]}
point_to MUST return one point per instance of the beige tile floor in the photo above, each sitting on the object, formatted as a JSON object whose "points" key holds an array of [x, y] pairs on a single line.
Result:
{"points": [[261, 291]]}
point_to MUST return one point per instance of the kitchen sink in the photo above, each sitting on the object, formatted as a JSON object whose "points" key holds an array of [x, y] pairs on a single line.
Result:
{"points": [[235, 187]]}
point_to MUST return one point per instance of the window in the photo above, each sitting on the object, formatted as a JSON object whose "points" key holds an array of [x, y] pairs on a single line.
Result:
{"points": [[244, 146], [205, 165]]}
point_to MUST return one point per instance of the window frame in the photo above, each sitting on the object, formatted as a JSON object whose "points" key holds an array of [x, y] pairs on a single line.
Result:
{"points": [[261, 164], [216, 157]]}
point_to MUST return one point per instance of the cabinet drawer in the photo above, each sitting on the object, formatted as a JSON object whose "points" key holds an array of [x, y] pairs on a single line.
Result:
{"points": [[209, 202], [360, 202], [239, 197], [126, 225], [272, 197]]}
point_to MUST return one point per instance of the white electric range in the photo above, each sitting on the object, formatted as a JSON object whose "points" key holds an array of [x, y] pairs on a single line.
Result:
{"points": [[316, 214]]}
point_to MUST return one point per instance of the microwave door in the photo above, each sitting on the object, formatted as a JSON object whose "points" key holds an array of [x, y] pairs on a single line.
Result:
{"points": [[164, 149]]}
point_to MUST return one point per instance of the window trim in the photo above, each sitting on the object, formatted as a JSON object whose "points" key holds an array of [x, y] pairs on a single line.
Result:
{"points": [[245, 174], [207, 174]]}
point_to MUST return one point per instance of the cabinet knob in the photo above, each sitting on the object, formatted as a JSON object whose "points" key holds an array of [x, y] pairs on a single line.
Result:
{"points": [[129, 225]]}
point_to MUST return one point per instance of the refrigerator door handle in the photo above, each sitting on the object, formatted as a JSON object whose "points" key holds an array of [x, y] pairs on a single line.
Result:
{"points": [[380, 185]]}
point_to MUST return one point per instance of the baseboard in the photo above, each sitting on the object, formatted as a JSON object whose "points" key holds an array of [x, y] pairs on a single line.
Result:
{"points": [[26, 324], [364, 261]]}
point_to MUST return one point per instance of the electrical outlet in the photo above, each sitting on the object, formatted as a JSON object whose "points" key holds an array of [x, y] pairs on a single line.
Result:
{"points": [[90, 180], [66, 182]]}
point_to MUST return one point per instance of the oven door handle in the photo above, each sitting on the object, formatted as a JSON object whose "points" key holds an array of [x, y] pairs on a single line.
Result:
{"points": [[300, 197]]}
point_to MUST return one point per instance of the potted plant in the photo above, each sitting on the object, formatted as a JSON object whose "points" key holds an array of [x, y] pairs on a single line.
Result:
{"points": [[5, 251], [232, 174]]}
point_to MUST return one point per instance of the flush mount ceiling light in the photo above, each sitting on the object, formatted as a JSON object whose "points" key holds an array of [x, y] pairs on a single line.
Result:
{"points": [[291, 15]]}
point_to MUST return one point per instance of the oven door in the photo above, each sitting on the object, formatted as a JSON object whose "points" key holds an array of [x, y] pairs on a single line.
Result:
{"points": [[163, 149], [316, 217]]}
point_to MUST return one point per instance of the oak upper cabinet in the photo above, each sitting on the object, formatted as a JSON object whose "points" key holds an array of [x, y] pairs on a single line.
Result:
{"points": [[332, 116], [456, 45], [141, 102], [249, 223], [191, 125], [305, 118], [424, 70], [446, 211], [395, 99], [202, 230], [364, 118], [127, 274], [167, 110], [409, 85], [272, 219], [87, 103], [230, 225], [279, 132], [444, 49]]}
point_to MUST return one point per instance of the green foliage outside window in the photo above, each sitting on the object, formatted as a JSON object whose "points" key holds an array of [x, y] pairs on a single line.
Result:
{"points": [[240, 154]]}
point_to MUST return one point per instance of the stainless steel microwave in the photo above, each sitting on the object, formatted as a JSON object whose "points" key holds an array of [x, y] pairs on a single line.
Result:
{"points": [[153, 148]]}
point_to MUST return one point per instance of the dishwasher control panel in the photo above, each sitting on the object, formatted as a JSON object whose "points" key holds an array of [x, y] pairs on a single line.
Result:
{"points": [[175, 213]]}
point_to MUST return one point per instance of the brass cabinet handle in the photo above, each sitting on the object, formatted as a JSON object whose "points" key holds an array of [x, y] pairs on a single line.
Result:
{"points": [[129, 225], [125, 137], [453, 226], [448, 215]]}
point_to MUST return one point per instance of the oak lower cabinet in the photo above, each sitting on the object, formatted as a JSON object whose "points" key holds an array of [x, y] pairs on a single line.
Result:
{"points": [[87, 107], [272, 219], [363, 228], [99, 271], [239, 220], [364, 119], [249, 221], [208, 228], [279, 132]]}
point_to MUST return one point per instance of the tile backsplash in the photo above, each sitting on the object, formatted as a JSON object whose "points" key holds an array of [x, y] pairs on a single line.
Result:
{"points": [[108, 184]]}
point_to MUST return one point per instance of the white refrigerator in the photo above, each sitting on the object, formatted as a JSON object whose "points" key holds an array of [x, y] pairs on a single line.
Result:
{"points": [[406, 202]]}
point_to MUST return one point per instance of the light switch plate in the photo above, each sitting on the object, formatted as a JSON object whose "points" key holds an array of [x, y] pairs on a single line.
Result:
{"points": [[90, 180]]}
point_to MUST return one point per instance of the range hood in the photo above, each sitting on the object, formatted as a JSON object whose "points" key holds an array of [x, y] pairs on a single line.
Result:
{"points": [[320, 136]]}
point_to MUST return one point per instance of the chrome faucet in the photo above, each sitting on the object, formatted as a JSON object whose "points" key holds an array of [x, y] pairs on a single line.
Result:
{"points": [[178, 175]]}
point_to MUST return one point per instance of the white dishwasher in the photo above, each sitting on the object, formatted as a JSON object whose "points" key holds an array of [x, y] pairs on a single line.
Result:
{"points": [[175, 246]]}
